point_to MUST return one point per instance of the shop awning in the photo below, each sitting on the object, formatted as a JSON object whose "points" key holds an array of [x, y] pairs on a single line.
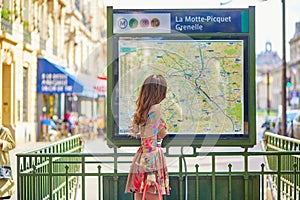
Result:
{"points": [[54, 79], [101, 86]]}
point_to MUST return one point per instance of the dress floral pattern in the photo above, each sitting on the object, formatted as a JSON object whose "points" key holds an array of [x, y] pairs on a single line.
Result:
{"points": [[149, 158]]}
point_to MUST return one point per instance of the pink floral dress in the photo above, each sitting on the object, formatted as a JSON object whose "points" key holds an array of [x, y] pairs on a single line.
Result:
{"points": [[149, 158]]}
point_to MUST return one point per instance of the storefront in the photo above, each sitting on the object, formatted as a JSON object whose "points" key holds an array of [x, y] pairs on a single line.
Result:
{"points": [[57, 90]]}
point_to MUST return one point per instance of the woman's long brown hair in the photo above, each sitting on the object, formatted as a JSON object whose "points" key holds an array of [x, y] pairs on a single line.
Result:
{"points": [[153, 91]]}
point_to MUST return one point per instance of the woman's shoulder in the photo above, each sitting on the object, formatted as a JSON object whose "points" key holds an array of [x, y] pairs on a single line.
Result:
{"points": [[154, 108], [155, 112]]}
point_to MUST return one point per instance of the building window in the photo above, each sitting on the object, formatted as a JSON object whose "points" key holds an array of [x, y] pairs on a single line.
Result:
{"points": [[25, 94], [77, 5], [26, 22], [26, 12], [42, 28], [6, 16], [55, 38]]}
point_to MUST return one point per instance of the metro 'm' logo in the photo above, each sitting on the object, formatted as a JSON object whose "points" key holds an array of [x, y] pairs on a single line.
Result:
{"points": [[123, 23]]}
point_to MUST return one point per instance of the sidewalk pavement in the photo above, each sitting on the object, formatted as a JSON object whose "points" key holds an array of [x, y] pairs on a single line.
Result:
{"points": [[20, 148]]}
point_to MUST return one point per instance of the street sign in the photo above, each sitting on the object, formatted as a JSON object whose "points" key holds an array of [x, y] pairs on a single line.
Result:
{"points": [[208, 59], [294, 95], [180, 21]]}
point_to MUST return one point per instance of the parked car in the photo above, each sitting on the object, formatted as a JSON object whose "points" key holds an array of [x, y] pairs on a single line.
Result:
{"points": [[296, 127], [290, 116]]}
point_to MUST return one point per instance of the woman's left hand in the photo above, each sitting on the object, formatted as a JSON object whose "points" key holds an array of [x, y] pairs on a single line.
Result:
{"points": [[151, 179]]}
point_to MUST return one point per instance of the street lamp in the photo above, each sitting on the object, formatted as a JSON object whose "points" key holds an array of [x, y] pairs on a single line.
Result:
{"points": [[267, 80], [283, 95], [268, 94], [283, 78]]}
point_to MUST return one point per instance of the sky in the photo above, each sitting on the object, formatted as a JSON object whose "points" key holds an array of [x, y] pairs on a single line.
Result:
{"points": [[268, 16]]}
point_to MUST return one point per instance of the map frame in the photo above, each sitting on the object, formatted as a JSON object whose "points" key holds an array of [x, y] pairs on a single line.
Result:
{"points": [[248, 139]]}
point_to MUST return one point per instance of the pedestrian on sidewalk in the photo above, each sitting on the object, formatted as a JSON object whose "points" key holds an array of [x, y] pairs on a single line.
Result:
{"points": [[7, 143], [149, 164]]}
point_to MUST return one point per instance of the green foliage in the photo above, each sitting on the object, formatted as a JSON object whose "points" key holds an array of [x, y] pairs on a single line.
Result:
{"points": [[5, 14], [25, 24], [263, 112]]}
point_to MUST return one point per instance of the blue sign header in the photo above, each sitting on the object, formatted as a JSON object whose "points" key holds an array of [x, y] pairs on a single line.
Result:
{"points": [[209, 22], [181, 21]]}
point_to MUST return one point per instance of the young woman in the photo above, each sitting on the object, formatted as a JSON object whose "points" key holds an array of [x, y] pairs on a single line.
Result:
{"points": [[149, 165]]}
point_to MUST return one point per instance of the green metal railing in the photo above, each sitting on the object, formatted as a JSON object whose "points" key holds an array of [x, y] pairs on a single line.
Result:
{"points": [[286, 186], [239, 175], [36, 169]]}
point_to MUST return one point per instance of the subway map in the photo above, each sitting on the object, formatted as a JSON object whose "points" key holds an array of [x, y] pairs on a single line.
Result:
{"points": [[205, 83]]}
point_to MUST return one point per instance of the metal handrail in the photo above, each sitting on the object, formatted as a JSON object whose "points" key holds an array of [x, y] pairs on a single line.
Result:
{"points": [[60, 146], [47, 187], [284, 185], [57, 170]]}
